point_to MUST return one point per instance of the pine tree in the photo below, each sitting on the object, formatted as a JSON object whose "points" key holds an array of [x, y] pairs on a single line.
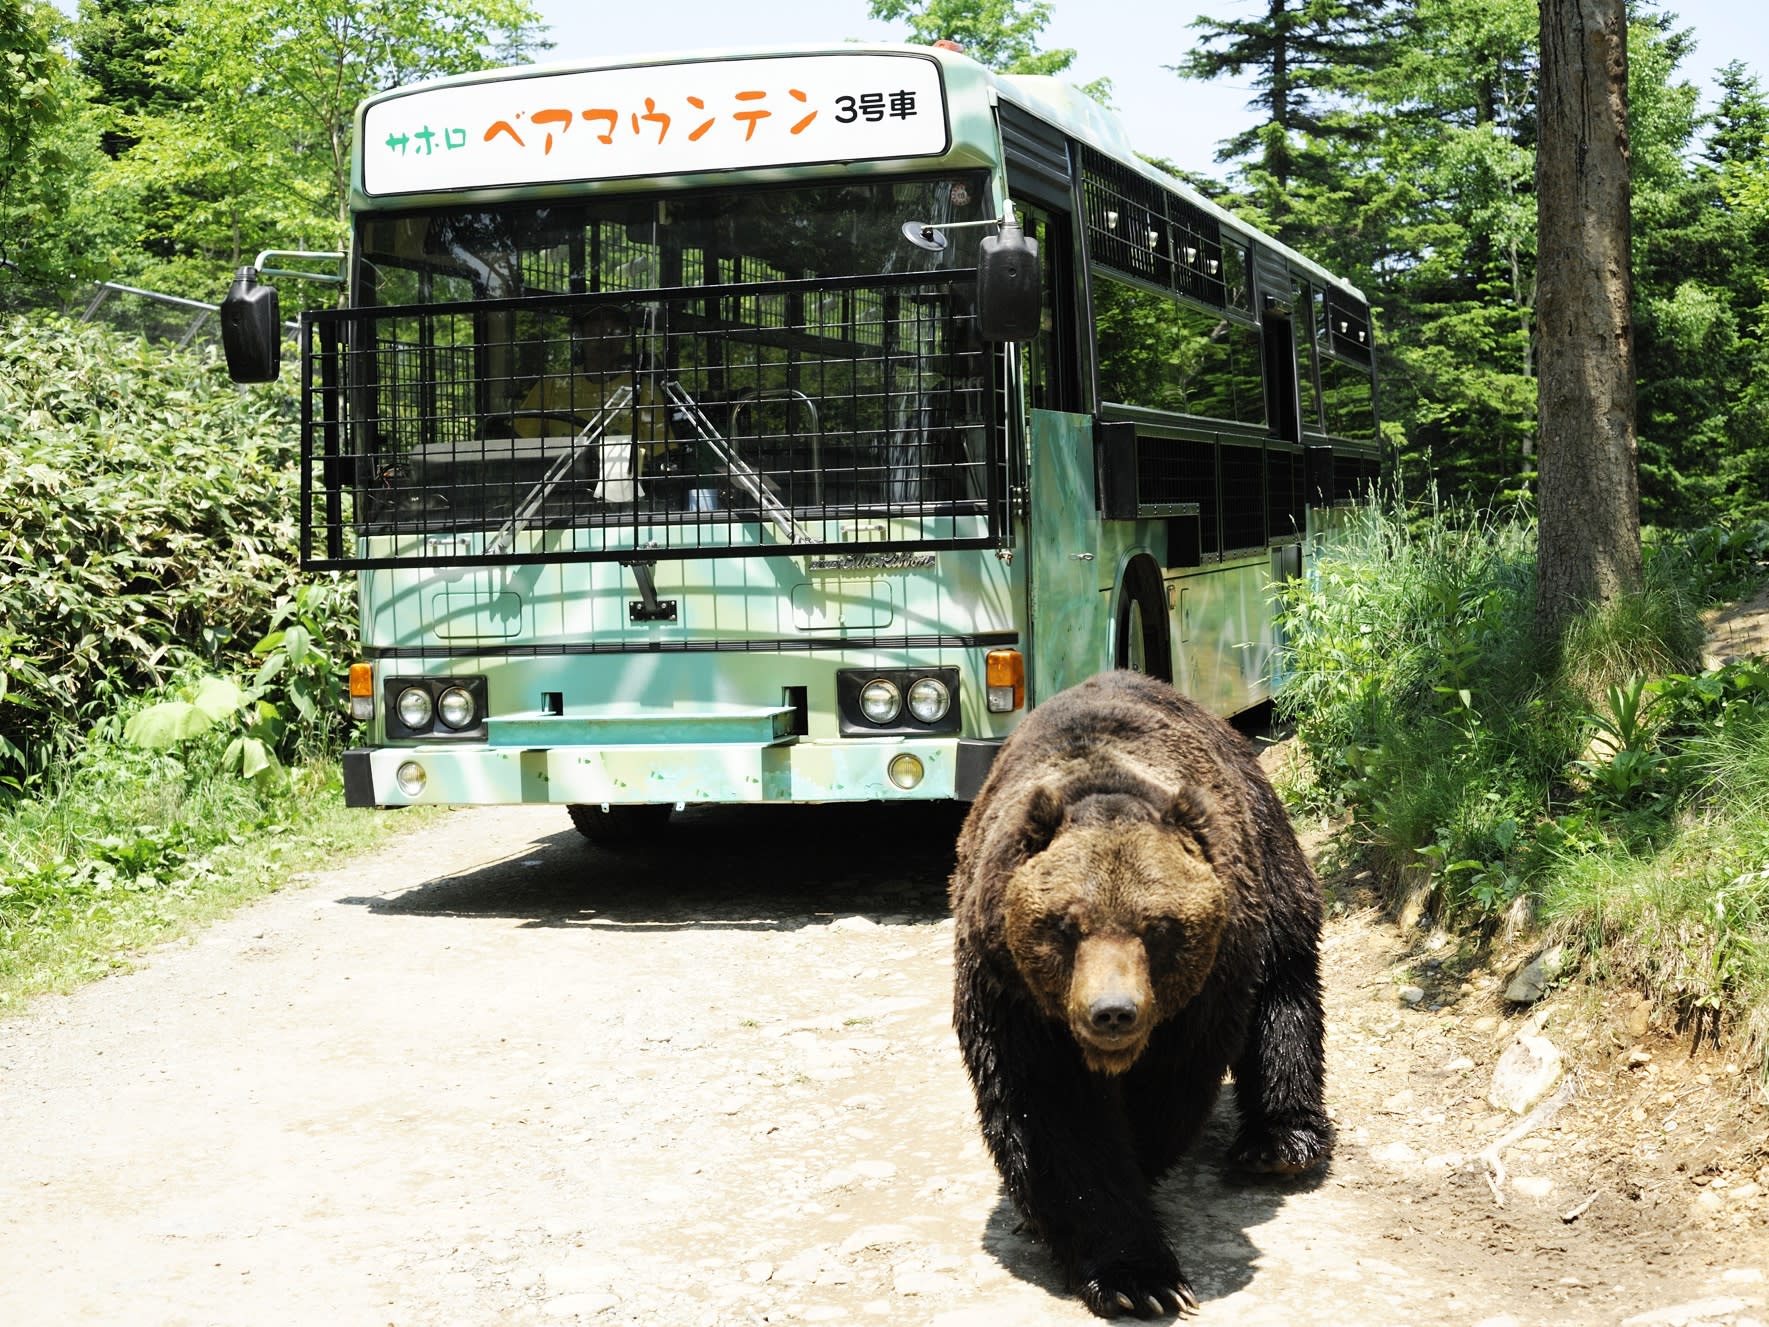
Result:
{"points": [[120, 44], [1304, 57], [1740, 131], [1002, 34], [1588, 499]]}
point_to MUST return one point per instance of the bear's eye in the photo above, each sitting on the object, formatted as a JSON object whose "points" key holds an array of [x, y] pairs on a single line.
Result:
{"points": [[1062, 930], [1163, 933]]}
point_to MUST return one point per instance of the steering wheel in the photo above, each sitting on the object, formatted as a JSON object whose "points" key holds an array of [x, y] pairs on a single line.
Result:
{"points": [[503, 424]]}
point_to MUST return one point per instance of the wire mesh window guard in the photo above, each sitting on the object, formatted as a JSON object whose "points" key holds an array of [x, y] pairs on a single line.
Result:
{"points": [[694, 423], [688, 375], [698, 422], [1136, 227]]}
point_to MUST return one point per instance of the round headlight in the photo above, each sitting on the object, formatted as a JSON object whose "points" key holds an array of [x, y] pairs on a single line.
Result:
{"points": [[455, 707], [411, 778], [905, 771], [929, 700], [414, 708], [880, 701]]}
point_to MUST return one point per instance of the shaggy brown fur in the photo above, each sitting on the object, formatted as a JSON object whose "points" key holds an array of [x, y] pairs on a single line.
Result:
{"points": [[1134, 918]]}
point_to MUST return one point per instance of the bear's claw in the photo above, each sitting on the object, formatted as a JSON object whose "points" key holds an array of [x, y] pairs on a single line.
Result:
{"points": [[1141, 1292], [1287, 1150]]}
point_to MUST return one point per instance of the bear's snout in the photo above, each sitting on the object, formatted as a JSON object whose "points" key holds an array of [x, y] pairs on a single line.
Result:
{"points": [[1111, 1003], [1114, 1015]]}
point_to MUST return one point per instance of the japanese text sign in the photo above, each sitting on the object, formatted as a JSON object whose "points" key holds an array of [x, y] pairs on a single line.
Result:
{"points": [[654, 120]]}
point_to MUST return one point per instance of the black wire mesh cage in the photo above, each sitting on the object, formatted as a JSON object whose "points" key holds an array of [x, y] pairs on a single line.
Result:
{"points": [[684, 422]]}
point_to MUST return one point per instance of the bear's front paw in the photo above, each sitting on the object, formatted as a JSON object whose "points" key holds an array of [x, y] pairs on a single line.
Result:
{"points": [[1283, 1149], [1154, 1288]]}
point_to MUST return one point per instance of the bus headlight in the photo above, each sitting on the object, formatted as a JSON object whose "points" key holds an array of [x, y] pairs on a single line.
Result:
{"points": [[455, 708], [415, 708], [898, 702], [451, 709], [929, 699], [880, 701]]}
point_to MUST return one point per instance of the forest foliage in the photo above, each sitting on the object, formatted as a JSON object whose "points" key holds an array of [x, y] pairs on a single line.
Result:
{"points": [[1397, 143], [1394, 140]]}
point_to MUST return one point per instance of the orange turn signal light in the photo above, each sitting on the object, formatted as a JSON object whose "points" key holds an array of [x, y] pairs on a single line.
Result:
{"points": [[1005, 674], [362, 692]]}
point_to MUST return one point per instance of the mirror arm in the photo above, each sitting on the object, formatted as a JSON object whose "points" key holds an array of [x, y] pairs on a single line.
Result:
{"points": [[330, 278], [932, 235]]}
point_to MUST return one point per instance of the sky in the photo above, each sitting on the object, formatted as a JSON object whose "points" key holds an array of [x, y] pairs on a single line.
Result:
{"points": [[1128, 41]]}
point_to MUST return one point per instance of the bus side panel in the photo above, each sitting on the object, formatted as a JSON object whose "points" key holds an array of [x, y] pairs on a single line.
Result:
{"points": [[1225, 638], [1070, 629]]}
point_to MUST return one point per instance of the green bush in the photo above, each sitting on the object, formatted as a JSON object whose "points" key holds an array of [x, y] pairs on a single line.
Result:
{"points": [[1421, 696], [1606, 780], [1434, 716], [146, 522]]}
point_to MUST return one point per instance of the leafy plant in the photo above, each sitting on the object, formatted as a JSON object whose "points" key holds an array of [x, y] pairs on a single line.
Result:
{"points": [[294, 707], [1626, 764], [214, 702]]}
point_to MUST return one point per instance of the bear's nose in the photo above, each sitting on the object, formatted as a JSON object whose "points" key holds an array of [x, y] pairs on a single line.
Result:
{"points": [[1113, 1015]]}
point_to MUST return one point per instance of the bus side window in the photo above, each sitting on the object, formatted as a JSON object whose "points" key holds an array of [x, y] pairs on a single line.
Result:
{"points": [[1051, 370]]}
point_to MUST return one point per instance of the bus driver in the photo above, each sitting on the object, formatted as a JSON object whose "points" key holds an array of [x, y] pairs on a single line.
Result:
{"points": [[600, 376]]}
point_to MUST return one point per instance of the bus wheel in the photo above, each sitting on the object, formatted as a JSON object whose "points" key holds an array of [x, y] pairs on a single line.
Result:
{"points": [[619, 825], [1141, 639]]}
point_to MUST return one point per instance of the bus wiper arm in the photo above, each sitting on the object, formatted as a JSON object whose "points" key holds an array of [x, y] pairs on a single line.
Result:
{"points": [[742, 473], [530, 506]]}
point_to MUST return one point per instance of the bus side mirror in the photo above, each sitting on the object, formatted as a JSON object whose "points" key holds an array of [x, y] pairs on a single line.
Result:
{"points": [[251, 329], [1007, 285]]}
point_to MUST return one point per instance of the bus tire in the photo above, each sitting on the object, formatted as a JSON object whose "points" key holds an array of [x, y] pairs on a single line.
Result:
{"points": [[1142, 640], [618, 826]]}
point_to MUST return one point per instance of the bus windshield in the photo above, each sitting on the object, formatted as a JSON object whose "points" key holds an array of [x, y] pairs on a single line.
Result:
{"points": [[641, 243], [674, 361]]}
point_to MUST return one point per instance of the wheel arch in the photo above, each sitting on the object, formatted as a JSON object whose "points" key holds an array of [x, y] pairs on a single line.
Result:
{"points": [[1139, 584]]}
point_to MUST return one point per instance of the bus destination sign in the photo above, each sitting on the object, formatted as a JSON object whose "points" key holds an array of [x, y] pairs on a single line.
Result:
{"points": [[654, 120]]}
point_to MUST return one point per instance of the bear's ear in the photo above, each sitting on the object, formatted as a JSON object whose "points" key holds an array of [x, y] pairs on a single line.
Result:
{"points": [[1044, 816], [1190, 811]]}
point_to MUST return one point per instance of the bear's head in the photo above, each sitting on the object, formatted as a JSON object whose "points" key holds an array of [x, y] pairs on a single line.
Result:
{"points": [[1114, 916]]}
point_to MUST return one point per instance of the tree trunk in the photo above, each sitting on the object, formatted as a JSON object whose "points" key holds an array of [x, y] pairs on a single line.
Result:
{"points": [[1588, 500]]}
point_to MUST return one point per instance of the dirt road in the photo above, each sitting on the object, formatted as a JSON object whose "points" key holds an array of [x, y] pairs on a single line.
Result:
{"points": [[492, 1075]]}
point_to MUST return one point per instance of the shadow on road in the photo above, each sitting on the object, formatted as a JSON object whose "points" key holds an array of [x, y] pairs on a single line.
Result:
{"points": [[750, 868], [1206, 1206]]}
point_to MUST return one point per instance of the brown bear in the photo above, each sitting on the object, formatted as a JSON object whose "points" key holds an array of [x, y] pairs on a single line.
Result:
{"points": [[1134, 917]]}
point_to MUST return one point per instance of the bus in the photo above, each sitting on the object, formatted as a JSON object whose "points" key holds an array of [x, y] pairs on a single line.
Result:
{"points": [[781, 425]]}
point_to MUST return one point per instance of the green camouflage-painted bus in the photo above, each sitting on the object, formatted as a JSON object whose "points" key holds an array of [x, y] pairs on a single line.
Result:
{"points": [[779, 426]]}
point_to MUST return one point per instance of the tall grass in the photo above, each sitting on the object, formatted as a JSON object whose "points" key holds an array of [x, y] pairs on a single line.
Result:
{"points": [[1602, 780], [122, 847], [1688, 918], [1426, 705]]}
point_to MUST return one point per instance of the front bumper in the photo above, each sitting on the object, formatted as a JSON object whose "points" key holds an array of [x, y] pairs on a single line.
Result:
{"points": [[791, 770]]}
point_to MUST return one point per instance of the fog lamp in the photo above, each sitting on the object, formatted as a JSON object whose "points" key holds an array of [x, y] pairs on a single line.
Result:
{"points": [[905, 771], [411, 778]]}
